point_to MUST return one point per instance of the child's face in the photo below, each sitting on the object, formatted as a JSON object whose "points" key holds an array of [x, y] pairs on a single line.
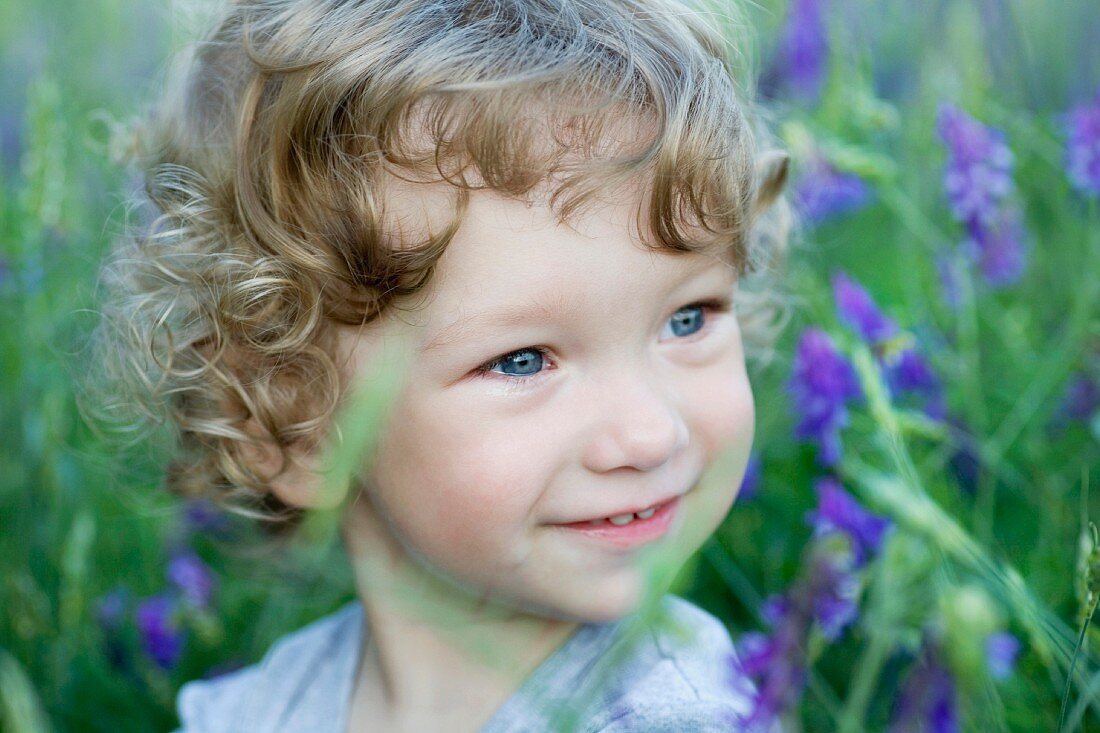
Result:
{"points": [[621, 394]]}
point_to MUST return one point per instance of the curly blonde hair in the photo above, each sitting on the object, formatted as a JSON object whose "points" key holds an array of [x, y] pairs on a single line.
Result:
{"points": [[266, 170]]}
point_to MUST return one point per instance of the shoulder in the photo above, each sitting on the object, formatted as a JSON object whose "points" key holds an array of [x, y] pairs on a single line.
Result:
{"points": [[298, 667], [679, 676]]}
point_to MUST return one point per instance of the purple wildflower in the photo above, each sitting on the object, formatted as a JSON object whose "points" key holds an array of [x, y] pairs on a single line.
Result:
{"points": [[192, 577], [927, 703], [823, 193], [860, 312], [750, 484], [978, 174], [201, 515], [965, 460], [999, 247], [1083, 147], [835, 592], [161, 636], [822, 383], [909, 374], [950, 271], [1080, 401], [111, 608], [1001, 650], [776, 662], [804, 47], [838, 512]]}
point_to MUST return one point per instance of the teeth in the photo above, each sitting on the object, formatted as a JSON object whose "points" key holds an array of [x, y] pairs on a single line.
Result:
{"points": [[621, 519], [647, 513]]}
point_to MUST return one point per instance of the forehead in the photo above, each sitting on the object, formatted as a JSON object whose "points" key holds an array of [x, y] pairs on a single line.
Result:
{"points": [[512, 261]]}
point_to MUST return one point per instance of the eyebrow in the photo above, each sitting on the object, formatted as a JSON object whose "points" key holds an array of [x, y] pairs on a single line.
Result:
{"points": [[544, 307]]}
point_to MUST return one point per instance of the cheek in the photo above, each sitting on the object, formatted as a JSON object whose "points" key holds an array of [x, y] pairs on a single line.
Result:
{"points": [[456, 485], [723, 409]]}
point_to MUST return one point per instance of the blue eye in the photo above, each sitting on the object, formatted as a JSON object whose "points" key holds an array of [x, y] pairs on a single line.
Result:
{"points": [[529, 361], [522, 363], [688, 320]]}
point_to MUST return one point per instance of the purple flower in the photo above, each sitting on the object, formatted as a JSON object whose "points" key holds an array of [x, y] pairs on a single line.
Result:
{"points": [[804, 47], [161, 635], [822, 382], [776, 662], [823, 193], [189, 574], [950, 271], [111, 608], [1001, 650], [838, 512], [999, 247], [1083, 147], [860, 312], [978, 174], [834, 591], [965, 460], [927, 703], [750, 484], [1080, 401], [201, 515], [909, 374]]}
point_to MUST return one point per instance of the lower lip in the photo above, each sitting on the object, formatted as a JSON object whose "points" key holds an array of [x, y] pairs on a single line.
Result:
{"points": [[635, 533]]}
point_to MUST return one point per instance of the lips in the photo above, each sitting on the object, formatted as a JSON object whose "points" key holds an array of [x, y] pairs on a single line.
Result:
{"points": [[619, 512], [629, 536]]}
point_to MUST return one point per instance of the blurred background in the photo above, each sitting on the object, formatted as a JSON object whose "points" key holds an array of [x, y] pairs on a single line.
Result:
{"points": [[911, 549]]}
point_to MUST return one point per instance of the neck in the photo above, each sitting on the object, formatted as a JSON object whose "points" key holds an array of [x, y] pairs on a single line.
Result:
{"points": [[432, 647]]}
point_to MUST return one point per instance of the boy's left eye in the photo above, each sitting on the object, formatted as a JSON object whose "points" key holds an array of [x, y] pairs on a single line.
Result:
{"points": [[529, 361]]}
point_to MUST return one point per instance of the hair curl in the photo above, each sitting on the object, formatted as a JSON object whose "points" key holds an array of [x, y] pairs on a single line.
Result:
{"points": [[266, 170]]}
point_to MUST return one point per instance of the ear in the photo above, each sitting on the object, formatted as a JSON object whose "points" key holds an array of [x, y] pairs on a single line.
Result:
{"points": [[290, 474], [770, 177]]}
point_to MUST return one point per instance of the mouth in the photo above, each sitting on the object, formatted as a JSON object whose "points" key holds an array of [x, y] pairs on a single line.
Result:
{"points": [[629, 530]]}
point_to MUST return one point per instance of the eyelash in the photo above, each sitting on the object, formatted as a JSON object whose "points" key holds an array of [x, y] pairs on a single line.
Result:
{"points": [[712, 305]]}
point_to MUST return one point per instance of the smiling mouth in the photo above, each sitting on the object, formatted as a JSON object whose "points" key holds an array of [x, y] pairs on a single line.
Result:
{"points": [[629, 530]]}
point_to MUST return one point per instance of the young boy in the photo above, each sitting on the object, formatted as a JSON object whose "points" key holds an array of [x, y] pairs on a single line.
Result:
{"points": [[545, 206]]}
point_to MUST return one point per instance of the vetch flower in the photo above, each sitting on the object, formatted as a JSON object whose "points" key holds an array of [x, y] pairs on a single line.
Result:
{"points": [[858, 310], [1083, 147], [188, 573], [833, 594], [908, 373], [776, 663], [1001, 650], [824, 597], [822, 192], [161, 635], [950, 271], [1080, 401], [839, 512], [927, 703], [750, 484], [978, 174], [822, 383], [965, 462], [201, 515], [999, 247], [804, 47], [111, 609]]}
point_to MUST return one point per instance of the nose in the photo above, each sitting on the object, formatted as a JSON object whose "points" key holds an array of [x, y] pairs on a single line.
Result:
{"points": [[637, 424]]}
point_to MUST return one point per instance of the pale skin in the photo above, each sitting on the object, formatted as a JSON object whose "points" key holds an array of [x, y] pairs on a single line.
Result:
{"points": [[634, 394]]}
